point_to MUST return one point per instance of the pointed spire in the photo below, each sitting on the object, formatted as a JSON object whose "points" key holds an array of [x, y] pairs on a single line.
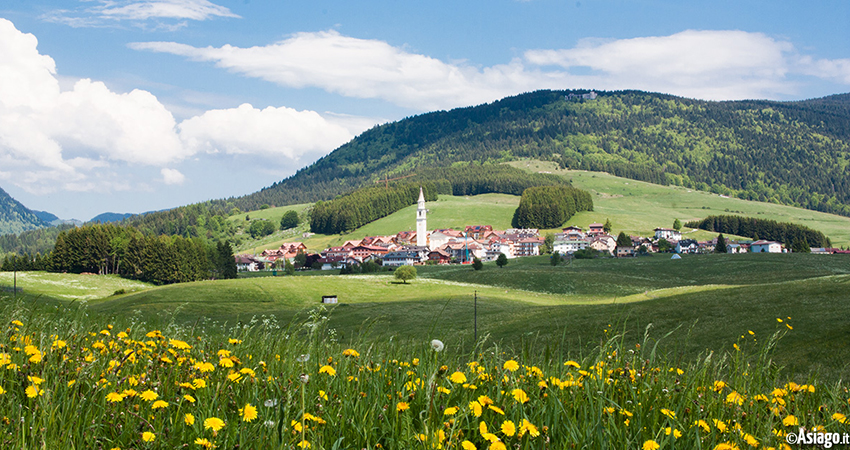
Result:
{"points": [[421, 195]]}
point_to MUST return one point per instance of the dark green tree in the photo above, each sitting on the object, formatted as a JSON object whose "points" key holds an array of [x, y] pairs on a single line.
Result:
{"points": [[502, 260], [607, 227], [677, 225], [289, 268], [623, 240], [301, 260], [555, 259], [548, 242], [664, 245], [721, 244], [289, 220], [800, 245], [477, 264]]}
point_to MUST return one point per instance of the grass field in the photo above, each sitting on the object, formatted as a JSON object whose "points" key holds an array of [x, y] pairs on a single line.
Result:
{"points": [[637, 207], [70, 286]]}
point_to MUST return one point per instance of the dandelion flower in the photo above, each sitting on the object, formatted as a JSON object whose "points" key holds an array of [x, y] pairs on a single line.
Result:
{"points": [[476, 408], [668, 413], [511, 365], [466, 445], [437, 345], [114, 397], [496, 409], [2, 391], [725, 446], [528, 427], [519, 395], [147, 436], [735, 398], [839, 417], [33, 391], [453, 410], [350, 352], [149, 395], [189, 419], [790, 421], [204, 442], [248, 413], [508, 428], [703, 425], [304, 444], [213, 423], [457, 378], [189, 398], [328, 370], [402, 406], [650, 445], [497, 445]]}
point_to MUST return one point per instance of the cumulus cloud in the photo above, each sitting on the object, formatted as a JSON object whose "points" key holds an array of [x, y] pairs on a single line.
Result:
{"points": [[716, 65], [106, 12], [88, 138], [279, 133]]}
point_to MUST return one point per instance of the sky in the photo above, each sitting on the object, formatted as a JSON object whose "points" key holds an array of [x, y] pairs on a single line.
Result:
{"points": [[142, 105]]}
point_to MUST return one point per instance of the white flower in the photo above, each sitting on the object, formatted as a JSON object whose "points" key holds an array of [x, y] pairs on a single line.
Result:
{"points": [[305, 378], [270, 403], [303, 358], [437, 345], [269, 423]]}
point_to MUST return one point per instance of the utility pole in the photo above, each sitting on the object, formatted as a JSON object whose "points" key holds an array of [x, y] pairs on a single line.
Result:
{"points": [[15, 279]]}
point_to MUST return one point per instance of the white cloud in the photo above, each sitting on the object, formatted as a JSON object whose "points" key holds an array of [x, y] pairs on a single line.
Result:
{"points": [[89, 138], [107, 12], [172, 176], [718, 65], [278, 133]]}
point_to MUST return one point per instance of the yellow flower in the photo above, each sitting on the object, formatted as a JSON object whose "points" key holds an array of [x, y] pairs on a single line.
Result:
{"points": [[213, 423], [790, 421], [225, 362], [402, 406], [720, 425], [508, 428], [496, 409], [189, 398], [528, 427], [466, 445], [248, 413], [71, 383], [735, 398], [304, 444], [668, 413], [189, 419], [444, 390], [453, 410], [350, 352], [750, 440], [159, 404], [702, 424], [457, 378], [511, 365], [149, 395], [114, 397], [199, 383], [476, 408], [719, 385], [650, 445], [179, 344], [2, 391], [328, 370], [147, 436], [725, 446], [497, 445], [204, 442], [839, 417], [323, 395], [519, 395], [33, 391]]}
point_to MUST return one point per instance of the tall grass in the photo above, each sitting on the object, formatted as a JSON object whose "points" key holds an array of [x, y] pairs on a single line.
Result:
{"points": [[74, 380]]}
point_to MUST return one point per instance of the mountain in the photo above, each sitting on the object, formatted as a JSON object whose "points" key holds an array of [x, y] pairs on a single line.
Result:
{"points": [[15, 217], [110, 217], [47, 217], [793, 153]]}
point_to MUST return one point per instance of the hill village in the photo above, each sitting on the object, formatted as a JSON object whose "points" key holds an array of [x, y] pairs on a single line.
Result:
{"points": [[449, 246]]}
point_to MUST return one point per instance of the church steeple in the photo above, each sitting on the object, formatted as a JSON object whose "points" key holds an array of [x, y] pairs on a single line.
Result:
{"points": [[421, 222]]}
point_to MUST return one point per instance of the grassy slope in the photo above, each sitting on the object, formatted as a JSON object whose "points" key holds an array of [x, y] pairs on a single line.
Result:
{"points": [[637, 207], [71, 286]]}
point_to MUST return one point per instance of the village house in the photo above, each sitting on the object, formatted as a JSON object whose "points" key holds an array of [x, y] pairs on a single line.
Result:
{"points": [[763, 246], [439, 257], [570, 244], [625, 251], [246, 263], [439, 238], [477, 231], [337, 252], [529, 246], [595, 229], [687, 246], [401, 258], [668, 233], [604, 243]]}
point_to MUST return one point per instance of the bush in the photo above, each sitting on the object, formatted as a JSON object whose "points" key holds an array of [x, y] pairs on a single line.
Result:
{"points": [[289, 220], [405, 273], [477, 264]]}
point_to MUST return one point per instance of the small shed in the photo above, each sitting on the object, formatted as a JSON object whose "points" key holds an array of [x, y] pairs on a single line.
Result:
{"points": [[329, 299]]}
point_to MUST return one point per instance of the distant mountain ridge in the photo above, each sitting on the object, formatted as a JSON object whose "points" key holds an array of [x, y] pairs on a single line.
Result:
{"points": [[15, 217], [794, 153], [108, 217]]}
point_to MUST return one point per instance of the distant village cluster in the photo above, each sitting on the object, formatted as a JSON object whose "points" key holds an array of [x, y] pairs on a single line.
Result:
{"points": [[448, 246]]}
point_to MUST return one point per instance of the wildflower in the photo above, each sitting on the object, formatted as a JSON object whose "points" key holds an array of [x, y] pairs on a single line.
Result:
{"points": [[114, 397], [402, 406], [270, 403], [839, 417], [497, 445], [437, 345], [484, 400], [476, 408], [453, 410], [323, 395], [189, 419], [457, 378], [180, 345], [33, 391], [149, 395], [735, 398], [159, 404], [204, 366], [350, 352], [147, 436], [199, 383], [328, 370], [726, 446], [213, 423], [304, 444], [189, 398], [528, 427], [225, 362], [508, 428], [444, 390], [750, 440], [719, 385], [248, 413], [511, 365], [204, 442], [519, 395], [466, 445], [2, 391], [676, 433], [790, 421], [650, 445], [496, 409], [720, 425], [702, 424], [668, 413]]}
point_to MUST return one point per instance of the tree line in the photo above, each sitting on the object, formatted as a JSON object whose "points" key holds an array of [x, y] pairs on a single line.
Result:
{"points": [[125, 251], [550, 206], [771, 230]]}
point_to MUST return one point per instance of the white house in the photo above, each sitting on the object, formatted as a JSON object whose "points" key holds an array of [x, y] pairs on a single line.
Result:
{"points": [[668, 233], [766, 247], [604, 243], [570, 244], [402, 258]]}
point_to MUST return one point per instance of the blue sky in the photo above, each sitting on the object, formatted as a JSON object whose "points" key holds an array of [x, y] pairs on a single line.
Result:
{"points": [[138, 105]]}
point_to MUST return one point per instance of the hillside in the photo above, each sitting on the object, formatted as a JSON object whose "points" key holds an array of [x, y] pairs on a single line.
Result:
{"points": [[793, 153], [15, 217]]}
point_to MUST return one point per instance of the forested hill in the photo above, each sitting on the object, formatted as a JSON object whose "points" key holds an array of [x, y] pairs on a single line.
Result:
{"points": [[794, 153], [15, 217]]}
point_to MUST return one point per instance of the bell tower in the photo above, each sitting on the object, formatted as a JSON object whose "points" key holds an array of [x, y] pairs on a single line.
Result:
{"points": [[421, 223]]}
